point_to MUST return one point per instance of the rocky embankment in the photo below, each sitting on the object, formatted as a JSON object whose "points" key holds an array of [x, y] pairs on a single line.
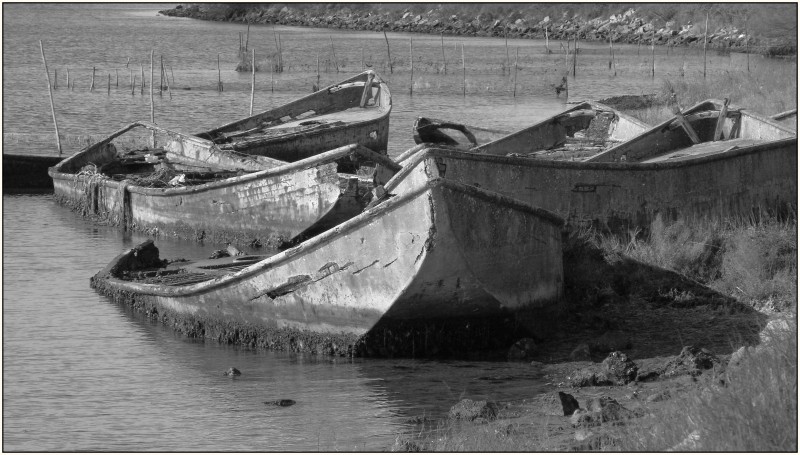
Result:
{"points": [[626, 27]]}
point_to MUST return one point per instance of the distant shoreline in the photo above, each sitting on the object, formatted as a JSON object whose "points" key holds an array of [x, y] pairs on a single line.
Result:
{"points": [[625, 27]]}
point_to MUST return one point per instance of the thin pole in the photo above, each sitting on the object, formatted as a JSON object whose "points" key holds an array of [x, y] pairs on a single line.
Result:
{"points": [[464, 71], [277, 47], [161, 76], [613, 60], [141, 91], [362, 59], [152, 107], [55, 78], [126, 63], [575, 56], [133, 84], [705, 41], [280, 52], [653, 48], [166, 79], [173, 75], [91, 88], [546, 40], [219, 75], [247, 42], [411, 58], [318, 69], [272, 77], [67, 78], [388, 51], [253, 85], [116, 75], [333, 52], [109, 84], [52, 105], [516, 59], [508, 60], [444, 60]]}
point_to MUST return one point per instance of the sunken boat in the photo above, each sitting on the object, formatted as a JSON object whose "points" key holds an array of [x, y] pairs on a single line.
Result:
{"points": [[353, 111], [735, 164], [150, 179], [577, 133], [428, 271]]}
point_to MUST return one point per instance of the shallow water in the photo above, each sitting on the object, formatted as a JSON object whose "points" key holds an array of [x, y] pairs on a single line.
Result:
{"points": [[81, 373]]}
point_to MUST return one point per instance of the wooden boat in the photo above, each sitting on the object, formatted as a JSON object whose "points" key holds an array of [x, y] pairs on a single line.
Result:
{"points": [[581, 131], [415, 272], [188, 188], [658, 174], [354, 111]]}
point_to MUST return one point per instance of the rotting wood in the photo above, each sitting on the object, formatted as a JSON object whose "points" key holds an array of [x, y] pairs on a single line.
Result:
{"points": [[679, 118], [388, 51], [52, 104], [723, 114]]}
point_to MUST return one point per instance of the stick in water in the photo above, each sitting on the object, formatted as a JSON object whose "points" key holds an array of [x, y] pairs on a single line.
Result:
{"points": [[388, 51], [253, 84], [464, 72], [52, 105]]}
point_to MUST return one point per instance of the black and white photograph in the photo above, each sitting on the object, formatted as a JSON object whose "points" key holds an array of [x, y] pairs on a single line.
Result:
{"points": [[400, 227]]}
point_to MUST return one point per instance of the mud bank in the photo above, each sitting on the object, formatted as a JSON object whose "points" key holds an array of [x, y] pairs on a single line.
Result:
{"points": [[625, 27], [24, 173]]}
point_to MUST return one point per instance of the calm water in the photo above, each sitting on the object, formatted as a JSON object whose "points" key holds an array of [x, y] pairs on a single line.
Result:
{"points": [[81, 373]]}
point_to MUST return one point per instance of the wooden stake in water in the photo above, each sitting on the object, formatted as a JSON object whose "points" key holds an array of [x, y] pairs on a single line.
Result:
{"points": [[272, 77], [705, 42], [109, 84], [126, 63], [363, 67], [333, 53], [247, 41], [516, 60], [91, 87], [253, 84], [508, 60], [411, 59], [653, 48], [219, 75], [169, 90], [575, 56], [464, 71], [444, 60], [55, 78], [318, 69], [50, 90], [68, 79], [546, 40], [277, 47], [746, 45], [133, 84], [280, 52], [613, 60], [116, 78], [152, 106], [141, 91], [388, 51]]}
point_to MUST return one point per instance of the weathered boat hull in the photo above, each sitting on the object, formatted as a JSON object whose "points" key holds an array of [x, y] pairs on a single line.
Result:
{"points": [[268, 207], [347, 120], [619, 197], [435, 253]]}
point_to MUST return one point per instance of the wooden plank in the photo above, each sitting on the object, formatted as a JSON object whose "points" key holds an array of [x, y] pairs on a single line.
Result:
{"points": [[723, 114], [686, 126]]}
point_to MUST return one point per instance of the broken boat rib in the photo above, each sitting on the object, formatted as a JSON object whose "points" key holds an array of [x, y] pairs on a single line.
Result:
{"points": [[436, 256], [188, 188], [355, 110]]}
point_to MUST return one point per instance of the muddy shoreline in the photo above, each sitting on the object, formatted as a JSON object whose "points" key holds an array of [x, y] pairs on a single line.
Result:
{"points": [[625, 27]]}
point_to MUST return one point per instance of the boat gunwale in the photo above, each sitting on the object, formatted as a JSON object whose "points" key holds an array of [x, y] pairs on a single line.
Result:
{"points": [[309, 245]]}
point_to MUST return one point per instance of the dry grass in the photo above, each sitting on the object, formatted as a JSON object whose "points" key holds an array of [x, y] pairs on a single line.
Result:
{"points": [[753, 408], [767, 90]]}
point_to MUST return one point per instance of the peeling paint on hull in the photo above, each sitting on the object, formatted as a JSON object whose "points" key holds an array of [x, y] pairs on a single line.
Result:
{"points": [[441, 254]]}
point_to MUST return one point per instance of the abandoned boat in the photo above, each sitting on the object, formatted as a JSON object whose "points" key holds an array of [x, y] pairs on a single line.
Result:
{"points": [[661, 173], [148, 178], [354, 111], [418, 271], [577, 133]]}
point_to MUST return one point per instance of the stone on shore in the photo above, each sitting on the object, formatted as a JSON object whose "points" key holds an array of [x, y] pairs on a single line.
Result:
{"points": [[469, 410]]}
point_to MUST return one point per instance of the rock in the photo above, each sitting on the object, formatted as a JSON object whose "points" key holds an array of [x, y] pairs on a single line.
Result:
{"points": [[469, 410], [581, 352], [692, 361], [232, 372], [559, 404], [601, 410], [582, 434], [522, 349], [619, 368], [588, 377], [284, 403]]}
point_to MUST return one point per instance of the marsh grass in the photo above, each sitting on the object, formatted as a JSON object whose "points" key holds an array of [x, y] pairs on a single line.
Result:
{"points": [[751, 407]]}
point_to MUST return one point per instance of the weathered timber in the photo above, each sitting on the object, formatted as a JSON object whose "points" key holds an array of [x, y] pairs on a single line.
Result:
{"points": [[431, 257], [247, 200], [331, 117], [656, 174]]}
